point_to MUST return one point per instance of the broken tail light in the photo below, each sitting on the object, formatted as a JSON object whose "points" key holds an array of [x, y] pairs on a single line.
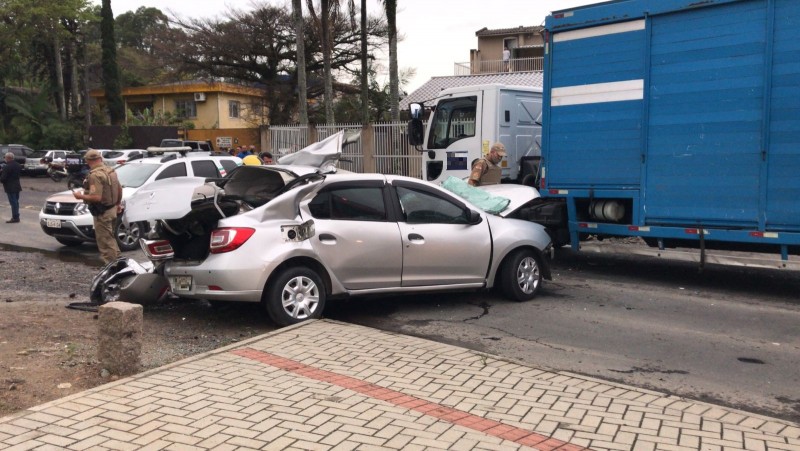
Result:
{"points": [[228, 239]]}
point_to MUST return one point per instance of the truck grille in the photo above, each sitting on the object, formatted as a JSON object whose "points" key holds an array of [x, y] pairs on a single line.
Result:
{"points": [[60, 208]]}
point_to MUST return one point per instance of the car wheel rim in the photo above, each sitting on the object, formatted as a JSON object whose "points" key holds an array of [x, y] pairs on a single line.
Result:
{"points": [[528, 275], [128, 235], [300, 297]]}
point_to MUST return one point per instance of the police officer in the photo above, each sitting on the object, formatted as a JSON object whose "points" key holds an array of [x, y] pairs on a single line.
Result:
{"points": [[486, 170], [103, 194]]}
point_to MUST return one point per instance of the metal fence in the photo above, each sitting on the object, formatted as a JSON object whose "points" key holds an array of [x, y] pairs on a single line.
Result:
{"points": [[386, 143], [498, 66]]}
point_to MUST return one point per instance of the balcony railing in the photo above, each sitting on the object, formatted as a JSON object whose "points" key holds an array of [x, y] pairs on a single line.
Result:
{"points": [[498, 66]]}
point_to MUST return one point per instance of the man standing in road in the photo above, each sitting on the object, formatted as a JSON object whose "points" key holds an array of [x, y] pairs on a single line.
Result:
{"points": [[486, 170], [11, 185], [103, 193]]}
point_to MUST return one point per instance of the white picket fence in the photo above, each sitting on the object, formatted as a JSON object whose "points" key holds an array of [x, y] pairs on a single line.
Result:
{"points": [[385, 144]]}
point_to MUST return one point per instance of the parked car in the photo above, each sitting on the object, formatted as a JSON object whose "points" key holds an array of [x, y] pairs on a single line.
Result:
{"points": [[292, 237], [116, 157], [195, 146], [34, 163], [20, 152], [68, 220]]}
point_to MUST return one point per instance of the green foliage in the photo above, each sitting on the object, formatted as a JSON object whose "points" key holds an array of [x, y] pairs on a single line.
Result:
{"points": [[35, 122], [116, 107], [123, 140], [147, 117]]}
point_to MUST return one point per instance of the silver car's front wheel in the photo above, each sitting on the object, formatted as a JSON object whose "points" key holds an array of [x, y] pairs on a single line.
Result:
{"points": [[295, 295], [521, 276]]}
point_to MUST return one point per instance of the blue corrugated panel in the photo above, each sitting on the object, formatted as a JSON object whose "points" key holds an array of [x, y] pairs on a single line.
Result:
{"points": [[705, 116], [612, 130], [783, 195]]}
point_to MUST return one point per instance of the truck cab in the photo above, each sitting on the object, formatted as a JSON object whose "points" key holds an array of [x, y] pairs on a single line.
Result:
{"points": [[464, 123]]}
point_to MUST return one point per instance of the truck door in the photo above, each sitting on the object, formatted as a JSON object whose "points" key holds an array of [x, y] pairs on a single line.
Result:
{"points": [[454, 140]]}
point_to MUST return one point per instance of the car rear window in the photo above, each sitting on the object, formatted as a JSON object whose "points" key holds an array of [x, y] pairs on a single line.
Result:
{"points": [[112, 154], [175, 170], [228, 165]]}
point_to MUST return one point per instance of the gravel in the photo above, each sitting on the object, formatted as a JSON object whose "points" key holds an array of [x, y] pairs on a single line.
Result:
{"points": [[48, 351]]}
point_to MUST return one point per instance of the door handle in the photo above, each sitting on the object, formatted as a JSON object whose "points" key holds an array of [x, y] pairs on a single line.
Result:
{"points": [[327, 238], [415, 237]]}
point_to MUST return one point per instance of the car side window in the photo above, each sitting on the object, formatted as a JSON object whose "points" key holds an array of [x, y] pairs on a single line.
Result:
{"points": [[349, 204], [205, 168], [175, 170], [425, 208]]}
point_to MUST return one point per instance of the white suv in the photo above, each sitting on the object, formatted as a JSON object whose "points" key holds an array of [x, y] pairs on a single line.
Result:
{"points": [[68, 220]]}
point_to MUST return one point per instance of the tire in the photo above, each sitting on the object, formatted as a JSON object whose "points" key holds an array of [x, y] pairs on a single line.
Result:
{"points": [[69, 242], [127, 236], [521, 276], [296, 294]]}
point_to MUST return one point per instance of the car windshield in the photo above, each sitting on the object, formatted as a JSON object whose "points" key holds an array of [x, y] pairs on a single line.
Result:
{"points": [[135, 175], [37, 154]]}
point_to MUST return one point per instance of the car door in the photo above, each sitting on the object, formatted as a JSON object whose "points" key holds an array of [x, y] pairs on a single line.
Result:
{"points": [[440, 247], [205, 168], [356, 236]]}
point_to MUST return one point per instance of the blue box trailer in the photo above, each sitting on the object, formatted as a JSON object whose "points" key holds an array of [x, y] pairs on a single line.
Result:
{"points": [[677, 121]]}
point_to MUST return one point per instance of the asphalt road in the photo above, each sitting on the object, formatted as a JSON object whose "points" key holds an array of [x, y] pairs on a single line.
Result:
{"points": [[727, 335]]}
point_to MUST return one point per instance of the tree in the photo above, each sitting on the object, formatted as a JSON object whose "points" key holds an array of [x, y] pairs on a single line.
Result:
{"points": [[364, 68], [267, 58], [113, 91], [394, 79], [302, 87]]}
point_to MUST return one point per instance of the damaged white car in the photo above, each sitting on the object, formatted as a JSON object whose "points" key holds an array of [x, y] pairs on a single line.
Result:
{"points": [[292, 237]]}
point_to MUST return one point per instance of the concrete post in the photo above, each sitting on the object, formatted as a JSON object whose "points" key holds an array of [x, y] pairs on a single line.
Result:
{"points": [[265, 139], [119, 347], [368, 147]]}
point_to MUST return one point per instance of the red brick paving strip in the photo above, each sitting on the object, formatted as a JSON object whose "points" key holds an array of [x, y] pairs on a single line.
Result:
{"points": [[459, 417]]}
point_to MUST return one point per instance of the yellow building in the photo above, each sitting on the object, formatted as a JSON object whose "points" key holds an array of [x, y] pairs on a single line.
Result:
{"points": [[209, 105]]}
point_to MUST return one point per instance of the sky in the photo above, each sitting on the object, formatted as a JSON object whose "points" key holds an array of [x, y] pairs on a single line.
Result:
{"points": [[435, 34]]}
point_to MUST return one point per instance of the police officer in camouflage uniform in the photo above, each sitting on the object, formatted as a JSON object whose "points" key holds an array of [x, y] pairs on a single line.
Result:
{"points": [[486, 170], [103, 193]]}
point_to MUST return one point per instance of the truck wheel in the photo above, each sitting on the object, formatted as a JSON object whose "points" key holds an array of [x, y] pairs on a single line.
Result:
{"points": [[127, 235], [69, 242], [521, 276], [296, 294]]}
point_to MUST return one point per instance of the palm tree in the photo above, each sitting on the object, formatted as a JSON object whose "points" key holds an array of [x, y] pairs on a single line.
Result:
{"points": [[302, 87], [364, 75], [394, 79]]}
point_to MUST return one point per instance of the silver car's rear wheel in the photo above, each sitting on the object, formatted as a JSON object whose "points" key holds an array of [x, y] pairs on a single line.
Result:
{"points": [[296, 294], [521, 276], [128, 235]]}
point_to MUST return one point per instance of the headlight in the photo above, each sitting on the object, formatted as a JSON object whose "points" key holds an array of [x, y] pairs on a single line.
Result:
{"points": [[81, 209]]}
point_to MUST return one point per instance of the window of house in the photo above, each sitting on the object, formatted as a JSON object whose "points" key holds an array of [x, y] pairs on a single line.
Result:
{"points": [[233, 108], [185, 108]]}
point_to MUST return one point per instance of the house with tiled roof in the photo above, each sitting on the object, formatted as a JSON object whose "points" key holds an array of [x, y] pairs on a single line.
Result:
{"points": [[486, 63]]}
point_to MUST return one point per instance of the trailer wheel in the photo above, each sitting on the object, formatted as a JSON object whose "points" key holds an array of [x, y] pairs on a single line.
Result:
{"points": [[521, 276]]}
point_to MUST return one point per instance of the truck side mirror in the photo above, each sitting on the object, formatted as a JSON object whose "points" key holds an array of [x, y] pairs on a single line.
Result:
{"points": [[416, 132]]}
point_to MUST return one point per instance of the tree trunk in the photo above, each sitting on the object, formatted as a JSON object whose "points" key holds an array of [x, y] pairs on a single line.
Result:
{"points": [[302, 88], [364, 68], [87, 104], [74, 89], [326, 57], [394, 79], [62, 103], [113, 91]]}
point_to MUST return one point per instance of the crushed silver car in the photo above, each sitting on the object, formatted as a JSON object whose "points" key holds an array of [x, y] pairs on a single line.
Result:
{"points": [[292, 237]]}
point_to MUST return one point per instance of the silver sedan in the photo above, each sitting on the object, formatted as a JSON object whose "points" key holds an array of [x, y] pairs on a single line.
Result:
{"points": [[298, 240]]}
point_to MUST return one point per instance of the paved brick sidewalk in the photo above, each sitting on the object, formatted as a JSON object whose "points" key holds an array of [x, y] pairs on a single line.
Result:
{"points": [[328, 385]]}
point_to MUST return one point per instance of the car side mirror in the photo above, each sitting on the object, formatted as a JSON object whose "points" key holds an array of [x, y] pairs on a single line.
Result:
{"points": [[475, 218]]}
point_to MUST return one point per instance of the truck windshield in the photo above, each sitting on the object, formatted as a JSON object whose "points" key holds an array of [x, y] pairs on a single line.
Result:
{"points": [[454, 120]]}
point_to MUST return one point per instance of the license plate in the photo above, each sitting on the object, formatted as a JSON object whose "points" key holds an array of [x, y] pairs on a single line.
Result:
{"points": [[183, 283], [54, 223]]}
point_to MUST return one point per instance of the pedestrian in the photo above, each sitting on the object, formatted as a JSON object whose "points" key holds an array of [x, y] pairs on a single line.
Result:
{"points": [[103, 193], [486, 170], [506, 59], [241, 152], [266, 157], [252, 150], [9, 176]]}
